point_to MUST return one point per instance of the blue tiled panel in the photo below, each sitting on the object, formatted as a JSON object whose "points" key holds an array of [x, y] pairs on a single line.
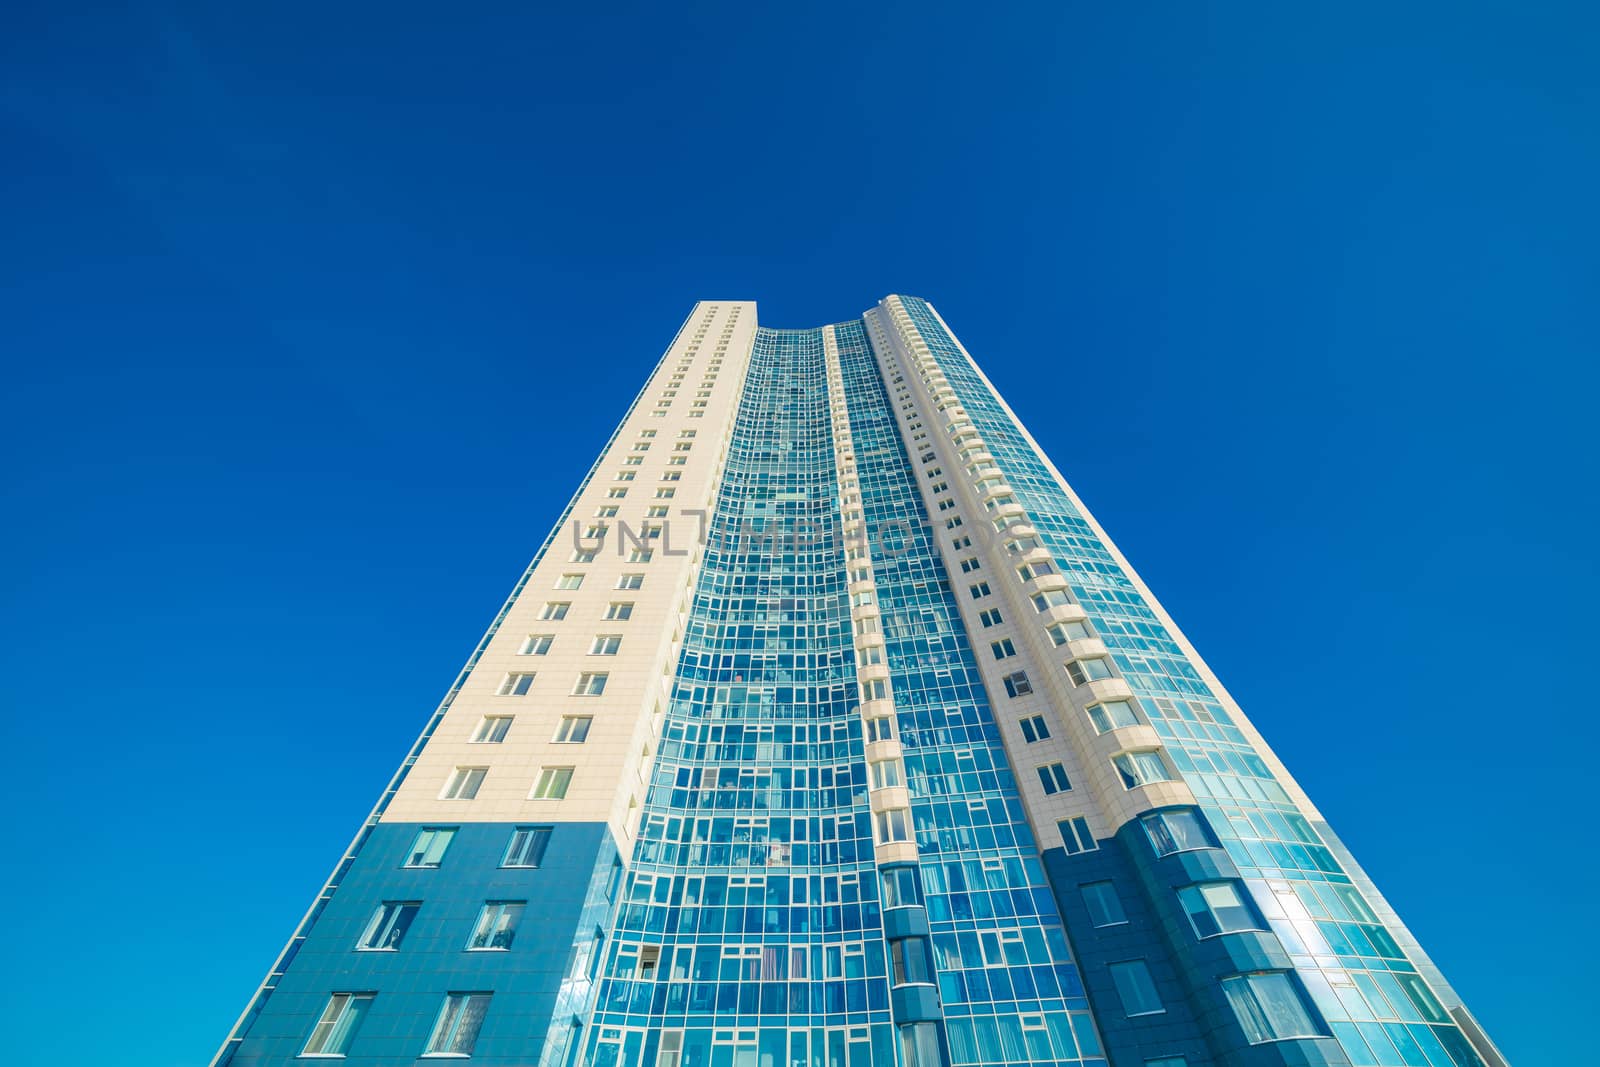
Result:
{"points": [[412, 981]]}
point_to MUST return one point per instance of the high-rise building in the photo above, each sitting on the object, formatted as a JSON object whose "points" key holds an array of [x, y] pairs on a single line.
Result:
{"points": [[828, 729]]}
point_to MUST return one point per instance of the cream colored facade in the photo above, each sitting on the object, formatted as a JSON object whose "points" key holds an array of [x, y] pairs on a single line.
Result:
{"points": [[672, 441]]}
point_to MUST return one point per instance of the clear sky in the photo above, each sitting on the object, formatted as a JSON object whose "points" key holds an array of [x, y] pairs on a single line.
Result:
{"points": [[1302, 301]]}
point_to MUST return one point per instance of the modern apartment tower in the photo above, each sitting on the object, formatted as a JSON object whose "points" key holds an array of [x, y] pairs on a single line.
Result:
{"points": [[828, 729]]}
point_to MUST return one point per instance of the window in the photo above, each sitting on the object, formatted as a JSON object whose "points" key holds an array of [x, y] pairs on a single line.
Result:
{"points": [[605, 645], [901, 887], [893, 825], [1088, 669], [1270, 1007], [555, 610], [990, 617], [573, 729], [459, 1021], [1141, 768], [1111, 715], [536, 645], [1003, 648], [1136, 988], [337, 1028], [590, 684], [1076, 836], [619, 612], [1034, 729], [1050, 598], [1062, 632], [884, 774], [880, 728], [1105, 907], [630, 581], [909, 961], [515, 685], [617, 494], [1167, 1061], [969, 565], [428, 849], [464, 783], [496, 926], [1217, 908], [388, 925], [492, 730], [875, 689], [666, 494], [1178, 830], [552, 783], [571, 581], [981, 589], [641, 555], [1054, 778], [1017, 684], [584, 555], [527, 846]]}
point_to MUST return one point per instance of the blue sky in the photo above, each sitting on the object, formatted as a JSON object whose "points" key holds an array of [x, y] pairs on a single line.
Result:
{"points": [[1301, 301]]}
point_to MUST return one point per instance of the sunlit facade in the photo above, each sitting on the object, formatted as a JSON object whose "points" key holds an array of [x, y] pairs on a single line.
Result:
{"points": [[828, 729]]}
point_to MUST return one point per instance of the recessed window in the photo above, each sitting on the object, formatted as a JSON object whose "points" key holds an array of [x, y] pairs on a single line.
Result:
{"points": [[1177, 830], [875, 689], [496, 927], [492, 730], [552, 783], [527, 846], [515, 685], [880, 728], [456, 1030], [969, 565], [1270, 1007], [1105, 907], [619, 611], [1217, 908], [1003, 648], [573, 729], [570, 581], [666, 493], [909, 961], [337, 1027], [1141, 768], [980, 589], [884, 774], [1053, 776], [388, 925], [590, 684], [1050, 598], [1062, 632], [1017, 684], [1088, 669], [1034, 729], [1075, 835], [630, 581], [990, 617], [617, 494], [901, 887], [893, 825], [1112, 715], [536, 645], [1136, 988], [464, 783], [583, 555], [640, 555], [555, 609], [605, 645], [429, 847]]}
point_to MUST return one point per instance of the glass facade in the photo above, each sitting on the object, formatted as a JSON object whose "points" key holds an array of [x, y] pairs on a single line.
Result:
{"points": [[889, 760]]}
